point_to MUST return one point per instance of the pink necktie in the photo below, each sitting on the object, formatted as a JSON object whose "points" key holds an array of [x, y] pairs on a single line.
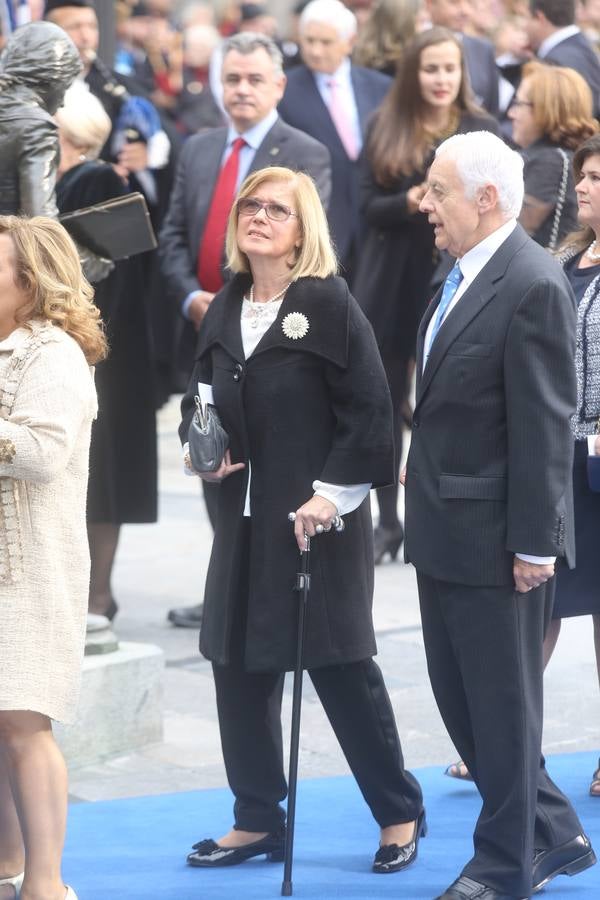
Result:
{"points": [[341, 118]]}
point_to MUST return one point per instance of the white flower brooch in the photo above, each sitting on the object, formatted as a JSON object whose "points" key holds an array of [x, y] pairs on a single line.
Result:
{"points": [[295, 325]]}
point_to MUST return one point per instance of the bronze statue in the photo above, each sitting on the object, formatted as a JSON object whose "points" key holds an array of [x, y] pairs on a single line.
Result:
{"points": [[39, 63]]}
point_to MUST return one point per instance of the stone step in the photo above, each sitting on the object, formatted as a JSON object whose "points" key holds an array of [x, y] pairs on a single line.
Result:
{"points": [[120, 709]]}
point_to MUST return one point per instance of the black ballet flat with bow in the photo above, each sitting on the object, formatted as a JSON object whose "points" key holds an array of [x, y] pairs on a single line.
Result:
{"points": [[208, 854], [392, 858]]}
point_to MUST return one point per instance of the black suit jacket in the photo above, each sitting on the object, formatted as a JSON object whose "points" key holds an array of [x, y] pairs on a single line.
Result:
{"points": [[489, 468], [196, 176], [576, 52], [483, 72], [303, 107]]}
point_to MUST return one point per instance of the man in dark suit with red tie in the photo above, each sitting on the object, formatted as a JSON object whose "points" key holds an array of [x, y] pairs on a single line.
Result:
{"points": [[210, 170]]}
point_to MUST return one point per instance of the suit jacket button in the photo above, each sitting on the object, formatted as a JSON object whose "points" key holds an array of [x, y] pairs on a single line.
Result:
{"points": [[237, 372], [415, 423]]}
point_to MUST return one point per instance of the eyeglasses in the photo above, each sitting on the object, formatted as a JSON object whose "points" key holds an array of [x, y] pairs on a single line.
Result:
{"points": [[518, 103], [249, 206]]}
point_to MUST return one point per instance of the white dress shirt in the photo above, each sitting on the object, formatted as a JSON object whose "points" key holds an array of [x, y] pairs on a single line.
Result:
{"points": [[471, 265], [342, 77]]}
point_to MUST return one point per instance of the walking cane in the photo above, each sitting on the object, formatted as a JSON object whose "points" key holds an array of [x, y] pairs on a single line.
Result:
{"points": [[303, 587]]}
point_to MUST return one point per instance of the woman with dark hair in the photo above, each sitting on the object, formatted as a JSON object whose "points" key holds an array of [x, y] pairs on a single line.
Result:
{"points": [[429, 100], [551, 115]]}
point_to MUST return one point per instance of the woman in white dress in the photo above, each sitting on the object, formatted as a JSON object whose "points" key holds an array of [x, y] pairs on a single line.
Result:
{"points": [[50, 336]]}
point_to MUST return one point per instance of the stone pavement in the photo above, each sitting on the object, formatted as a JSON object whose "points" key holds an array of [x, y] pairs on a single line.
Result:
{"points": [[163, 565]]}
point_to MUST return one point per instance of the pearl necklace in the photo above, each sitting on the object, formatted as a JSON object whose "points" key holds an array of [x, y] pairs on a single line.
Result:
{"points": [[591, 252], [256, 308]]}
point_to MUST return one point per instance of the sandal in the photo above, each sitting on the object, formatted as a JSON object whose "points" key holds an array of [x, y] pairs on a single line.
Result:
{"points": [[595, 785], [459, 771]]}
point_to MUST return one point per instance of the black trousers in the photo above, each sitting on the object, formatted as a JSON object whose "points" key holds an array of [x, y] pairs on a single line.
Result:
{"points": [[358, 707], [484, 655]]}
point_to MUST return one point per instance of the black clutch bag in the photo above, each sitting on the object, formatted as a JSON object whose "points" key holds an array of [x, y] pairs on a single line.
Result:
{"points": [[207, 438]]}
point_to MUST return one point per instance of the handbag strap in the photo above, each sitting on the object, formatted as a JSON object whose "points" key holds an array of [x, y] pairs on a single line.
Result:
{"points": [[560, 200]]}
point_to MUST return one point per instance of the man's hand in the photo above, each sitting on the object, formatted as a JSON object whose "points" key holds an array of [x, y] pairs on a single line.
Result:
{"points": [[225, 469], [317, 511], [134, 156], [403, 477], [529, 575], [198, 307]]}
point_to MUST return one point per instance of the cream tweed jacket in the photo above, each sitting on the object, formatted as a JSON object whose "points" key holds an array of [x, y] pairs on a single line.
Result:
{"points": [[47, 404]]}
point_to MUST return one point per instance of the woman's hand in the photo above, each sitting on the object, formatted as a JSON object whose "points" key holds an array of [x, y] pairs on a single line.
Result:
{"points": [[414, 195], [597, 446], [226, 468], [316, 511]]}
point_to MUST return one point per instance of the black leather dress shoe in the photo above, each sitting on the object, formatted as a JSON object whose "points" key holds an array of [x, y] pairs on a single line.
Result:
{"points": [[186, 616], [392, 857], [209, 855], [569, 858], [465, 888]]}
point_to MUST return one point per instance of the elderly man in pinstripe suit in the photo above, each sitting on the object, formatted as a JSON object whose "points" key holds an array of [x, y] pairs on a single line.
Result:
{"points": [[489, 508]]}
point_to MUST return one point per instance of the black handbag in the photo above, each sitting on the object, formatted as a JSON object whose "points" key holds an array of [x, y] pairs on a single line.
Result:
{"points": [[207, 438]]}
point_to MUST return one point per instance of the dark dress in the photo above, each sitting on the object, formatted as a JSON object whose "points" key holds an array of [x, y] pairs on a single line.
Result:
{"points": [[542, 173], [123, 459], [578, 589]]}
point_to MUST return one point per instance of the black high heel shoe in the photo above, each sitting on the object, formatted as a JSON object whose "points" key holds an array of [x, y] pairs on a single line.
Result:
{"points": [[387, 540], [391, 858], [210, 855]]}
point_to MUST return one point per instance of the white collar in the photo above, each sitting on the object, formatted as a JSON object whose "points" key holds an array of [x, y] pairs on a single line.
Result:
{"points": [[478, 256], [255, 135], [557, 37], [341, 75]]}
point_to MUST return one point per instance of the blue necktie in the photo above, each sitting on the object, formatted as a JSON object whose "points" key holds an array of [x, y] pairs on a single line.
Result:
{"points": [[450, 288]]}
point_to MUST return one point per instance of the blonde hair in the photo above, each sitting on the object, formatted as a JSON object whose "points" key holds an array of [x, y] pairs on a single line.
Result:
{"points": [[48, 271], [562, 104], [315, 257], [83, 121]]}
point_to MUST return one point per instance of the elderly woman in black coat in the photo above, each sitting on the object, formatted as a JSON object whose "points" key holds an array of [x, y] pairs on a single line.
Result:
{"points": [[299, 385]]}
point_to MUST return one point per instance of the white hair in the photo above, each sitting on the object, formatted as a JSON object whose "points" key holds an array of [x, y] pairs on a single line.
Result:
{"points": [[482, 158], [83, 120], [330, 12]]}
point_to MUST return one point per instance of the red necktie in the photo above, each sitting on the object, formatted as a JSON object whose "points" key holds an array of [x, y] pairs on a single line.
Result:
{"points": [[210, 253]]}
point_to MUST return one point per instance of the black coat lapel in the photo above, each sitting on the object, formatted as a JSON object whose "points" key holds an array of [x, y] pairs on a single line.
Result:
{"points": [[317, 299], [222, 323], [311, 298]]}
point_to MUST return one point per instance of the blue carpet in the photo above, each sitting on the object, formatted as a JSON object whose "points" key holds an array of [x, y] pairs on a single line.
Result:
{"points": [[135, 849]]}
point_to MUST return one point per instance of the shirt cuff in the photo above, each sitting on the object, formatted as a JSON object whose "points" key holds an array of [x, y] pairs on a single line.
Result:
{"points": [[591, 442], [185, 306], [538, 560], [345, 497]]}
